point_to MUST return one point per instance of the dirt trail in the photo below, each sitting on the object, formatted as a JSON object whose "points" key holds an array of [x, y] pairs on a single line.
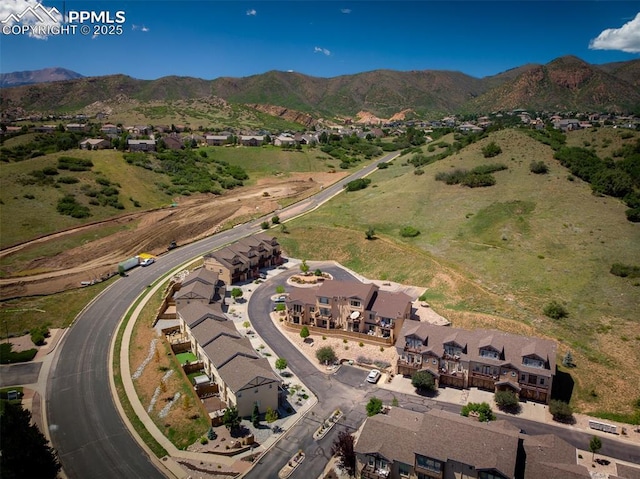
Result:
{"points": [[196, 217]]}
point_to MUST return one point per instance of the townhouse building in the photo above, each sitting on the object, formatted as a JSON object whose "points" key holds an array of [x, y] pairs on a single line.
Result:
{"points": [[486, 359], [350, 306], [242, 260], [442, 445]]}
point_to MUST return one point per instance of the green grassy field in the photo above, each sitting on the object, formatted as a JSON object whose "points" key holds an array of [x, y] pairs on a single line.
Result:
{"points": [[29, 211], [501, 252]]}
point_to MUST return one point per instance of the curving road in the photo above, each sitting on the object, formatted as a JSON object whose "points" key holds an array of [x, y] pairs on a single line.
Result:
{"points": [[84, 424]]}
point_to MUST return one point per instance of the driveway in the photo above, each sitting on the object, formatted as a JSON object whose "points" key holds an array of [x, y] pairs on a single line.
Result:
{"points": [[22, 373]]}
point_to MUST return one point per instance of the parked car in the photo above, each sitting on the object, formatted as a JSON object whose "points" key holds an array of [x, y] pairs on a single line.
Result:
{"points": [[281, 299], [147, 261], [172, 245], [262, 276], [373, 376]]}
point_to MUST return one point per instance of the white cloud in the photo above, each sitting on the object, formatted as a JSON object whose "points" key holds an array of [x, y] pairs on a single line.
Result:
{"points": [[346, 11], [30, 13], [252, 12], [321, 50], [142, 28], [626, 38]]}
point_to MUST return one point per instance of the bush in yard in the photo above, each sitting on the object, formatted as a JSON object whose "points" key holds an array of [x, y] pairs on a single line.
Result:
{"points": [[374, 406], [8, 356], [326, 355], [236, 293], [423, 381], [271, 415], [275, 220], [255, 415], [555, 310], [507, 401], [264, 225], [304, 332], [485, 414], [561, 411], [280, 289], [230, 419], [281, 364]]}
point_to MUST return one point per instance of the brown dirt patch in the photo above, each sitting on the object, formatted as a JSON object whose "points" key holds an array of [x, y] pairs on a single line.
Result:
{"points": [[194, 218]]}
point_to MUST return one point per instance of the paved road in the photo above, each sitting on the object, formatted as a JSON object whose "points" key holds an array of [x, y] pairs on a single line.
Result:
{"points": [[85, 427], [22, 373]]}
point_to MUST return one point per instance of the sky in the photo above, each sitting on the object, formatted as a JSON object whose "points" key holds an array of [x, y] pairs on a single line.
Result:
{"points": [[149, 39]]}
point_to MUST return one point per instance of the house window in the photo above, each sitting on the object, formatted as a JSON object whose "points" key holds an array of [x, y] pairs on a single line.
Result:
{"points": [[325, 311], [428, 463], [489, 353], [523, 377], [434, 361], [489, 475], [533, 362], [355, 303], [297, 308], [372, 460], [541, 381], [404, 469], [323, 300]]}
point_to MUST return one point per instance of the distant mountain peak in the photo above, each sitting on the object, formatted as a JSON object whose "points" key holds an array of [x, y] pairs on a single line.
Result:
{"points": [[45, 75]]}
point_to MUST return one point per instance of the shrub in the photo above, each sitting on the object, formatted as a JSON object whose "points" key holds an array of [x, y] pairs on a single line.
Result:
{"points": [[625, 271], [271, 415], [491, 150], [567, 360], [475, 180], [204, 440], [418, 171], [361, 344], [264, 225], [539, 167], [9, 356], [69, 206], [633, 215], [304, 332], [409, 232], [326, 355], [423, 381], [506, 400], [555, 310], [358, 184], [381, 364], [68, 180], [275, 220], [364, 360], [560, 410], [485, 414], [374, 406]]}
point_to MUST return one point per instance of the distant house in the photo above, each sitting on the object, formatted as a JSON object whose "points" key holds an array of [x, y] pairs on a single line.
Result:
{"points": [[76, 127], [110, 129], [481, 358], [45, 128], [95, 144], [350, 306], [242, 260], [469, 128], [217, 140], [283, 140], [569, 124], [173, 142], [141, 145], [438, 444], [251, 140]]}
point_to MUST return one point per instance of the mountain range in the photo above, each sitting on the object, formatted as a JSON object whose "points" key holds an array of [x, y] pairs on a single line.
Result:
{"points": [[45, 75], [564, 84]]}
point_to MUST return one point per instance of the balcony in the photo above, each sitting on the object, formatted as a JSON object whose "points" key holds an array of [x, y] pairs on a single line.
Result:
{"points": [[369, 472], [478, 374], [534, 388]]}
